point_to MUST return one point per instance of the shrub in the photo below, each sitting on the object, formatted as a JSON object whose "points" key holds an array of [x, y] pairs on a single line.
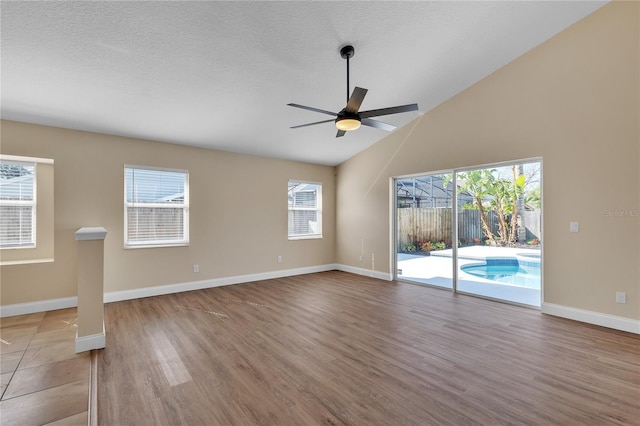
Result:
{"points": [[426, 246], [409, 248], [439, 245]]}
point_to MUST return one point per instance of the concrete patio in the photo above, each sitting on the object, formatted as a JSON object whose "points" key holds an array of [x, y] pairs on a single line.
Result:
{"points": [[437, 270]]}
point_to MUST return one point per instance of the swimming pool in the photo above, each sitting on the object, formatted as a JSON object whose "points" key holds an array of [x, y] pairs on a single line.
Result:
{"points": [[506, 271]]}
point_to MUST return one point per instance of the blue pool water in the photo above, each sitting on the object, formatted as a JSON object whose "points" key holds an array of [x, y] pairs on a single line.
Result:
{"points": [[506, 273]]}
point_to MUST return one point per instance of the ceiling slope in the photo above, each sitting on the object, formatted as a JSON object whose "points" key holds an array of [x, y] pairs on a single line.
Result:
{"points": [[219, 74]]}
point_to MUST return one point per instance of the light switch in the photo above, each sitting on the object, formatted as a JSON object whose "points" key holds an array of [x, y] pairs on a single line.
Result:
{"points": [[573, 227]]}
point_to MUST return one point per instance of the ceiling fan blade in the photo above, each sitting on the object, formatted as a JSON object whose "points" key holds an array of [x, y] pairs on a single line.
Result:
{"points": [[357, 96], [387, 111], [331, 120], [377, 124], [340, 133], [322, 111]]}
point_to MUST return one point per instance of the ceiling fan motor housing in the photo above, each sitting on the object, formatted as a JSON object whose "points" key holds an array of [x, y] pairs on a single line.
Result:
{"points": [[344, 114]]}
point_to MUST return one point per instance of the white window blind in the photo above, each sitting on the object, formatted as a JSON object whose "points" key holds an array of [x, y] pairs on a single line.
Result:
{"points": [[156, 207], [17, 204], [305, 209]]}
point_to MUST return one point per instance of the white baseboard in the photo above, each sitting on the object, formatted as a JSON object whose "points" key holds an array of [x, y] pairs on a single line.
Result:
{"points": [[366, 272], [116, 296], [93, 341], [39, 306], [590, 317]]}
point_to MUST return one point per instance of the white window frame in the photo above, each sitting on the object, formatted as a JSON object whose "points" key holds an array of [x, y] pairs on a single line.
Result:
{"points": [[29, 162], [133, 204], [318, 209]]}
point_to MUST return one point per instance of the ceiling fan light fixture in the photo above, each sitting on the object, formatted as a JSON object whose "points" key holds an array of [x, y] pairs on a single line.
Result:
{"points": [[347, 124]]}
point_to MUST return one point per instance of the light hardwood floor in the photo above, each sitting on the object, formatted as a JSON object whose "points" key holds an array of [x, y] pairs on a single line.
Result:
{"points": [[336, 348], [43, 380]]}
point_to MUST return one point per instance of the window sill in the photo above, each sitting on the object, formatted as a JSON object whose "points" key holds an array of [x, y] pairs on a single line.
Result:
{"points": [[16, 247], [146, 246], [305, 237], [24, 262]]}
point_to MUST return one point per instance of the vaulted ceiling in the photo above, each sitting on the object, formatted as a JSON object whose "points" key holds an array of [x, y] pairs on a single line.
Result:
{"points": [[219, 74]]}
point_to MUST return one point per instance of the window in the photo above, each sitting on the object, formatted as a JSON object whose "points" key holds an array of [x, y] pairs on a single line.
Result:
{"points": [[156, 207], [26, 205], [305, 210], [17, 204]]}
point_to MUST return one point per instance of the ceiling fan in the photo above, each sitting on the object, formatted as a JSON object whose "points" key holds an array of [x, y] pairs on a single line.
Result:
{"points": [[350, 118]]}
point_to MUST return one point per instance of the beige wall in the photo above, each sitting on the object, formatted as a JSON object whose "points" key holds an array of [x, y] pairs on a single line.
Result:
{"points": [[575, 102], [238, 213]]}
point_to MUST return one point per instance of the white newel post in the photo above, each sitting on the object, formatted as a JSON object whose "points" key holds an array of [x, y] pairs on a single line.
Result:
{"points": [[90, 334]]}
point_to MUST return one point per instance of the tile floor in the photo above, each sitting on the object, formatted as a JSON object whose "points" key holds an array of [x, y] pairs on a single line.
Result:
{"points": [[43, 380]]}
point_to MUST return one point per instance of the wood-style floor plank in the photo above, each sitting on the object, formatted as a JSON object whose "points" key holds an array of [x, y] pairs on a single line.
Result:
{"points": [[336, 348]]}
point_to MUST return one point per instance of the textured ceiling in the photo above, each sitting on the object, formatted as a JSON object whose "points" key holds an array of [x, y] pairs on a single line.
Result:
{"points": [[219, 74]]}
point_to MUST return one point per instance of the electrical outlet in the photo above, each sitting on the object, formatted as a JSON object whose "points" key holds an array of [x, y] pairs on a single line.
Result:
{"points": [[360, 259], [196, 268], [574, 226], [279, 259], [621, 297]]}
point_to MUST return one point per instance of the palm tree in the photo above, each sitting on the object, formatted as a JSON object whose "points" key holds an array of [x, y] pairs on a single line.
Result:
{"points": [[500, 195]]}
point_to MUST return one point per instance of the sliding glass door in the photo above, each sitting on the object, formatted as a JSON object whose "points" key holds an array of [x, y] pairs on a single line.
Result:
{"points": [[424, 212], [498, 231], [501, 229]]}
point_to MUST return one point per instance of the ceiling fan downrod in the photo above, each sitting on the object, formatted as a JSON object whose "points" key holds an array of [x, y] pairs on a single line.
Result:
{"points": [[347, 52]]}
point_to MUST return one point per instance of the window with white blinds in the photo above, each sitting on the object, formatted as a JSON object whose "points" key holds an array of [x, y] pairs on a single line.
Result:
{"points": [[17, 204], [156, 207], [305, 209]]}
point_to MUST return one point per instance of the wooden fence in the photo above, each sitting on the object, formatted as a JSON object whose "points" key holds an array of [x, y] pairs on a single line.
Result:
{"points": [[434, 224]]}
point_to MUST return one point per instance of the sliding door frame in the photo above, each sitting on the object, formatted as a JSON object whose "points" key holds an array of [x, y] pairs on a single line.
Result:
{"points": [[393, 219], [393, 227]]}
